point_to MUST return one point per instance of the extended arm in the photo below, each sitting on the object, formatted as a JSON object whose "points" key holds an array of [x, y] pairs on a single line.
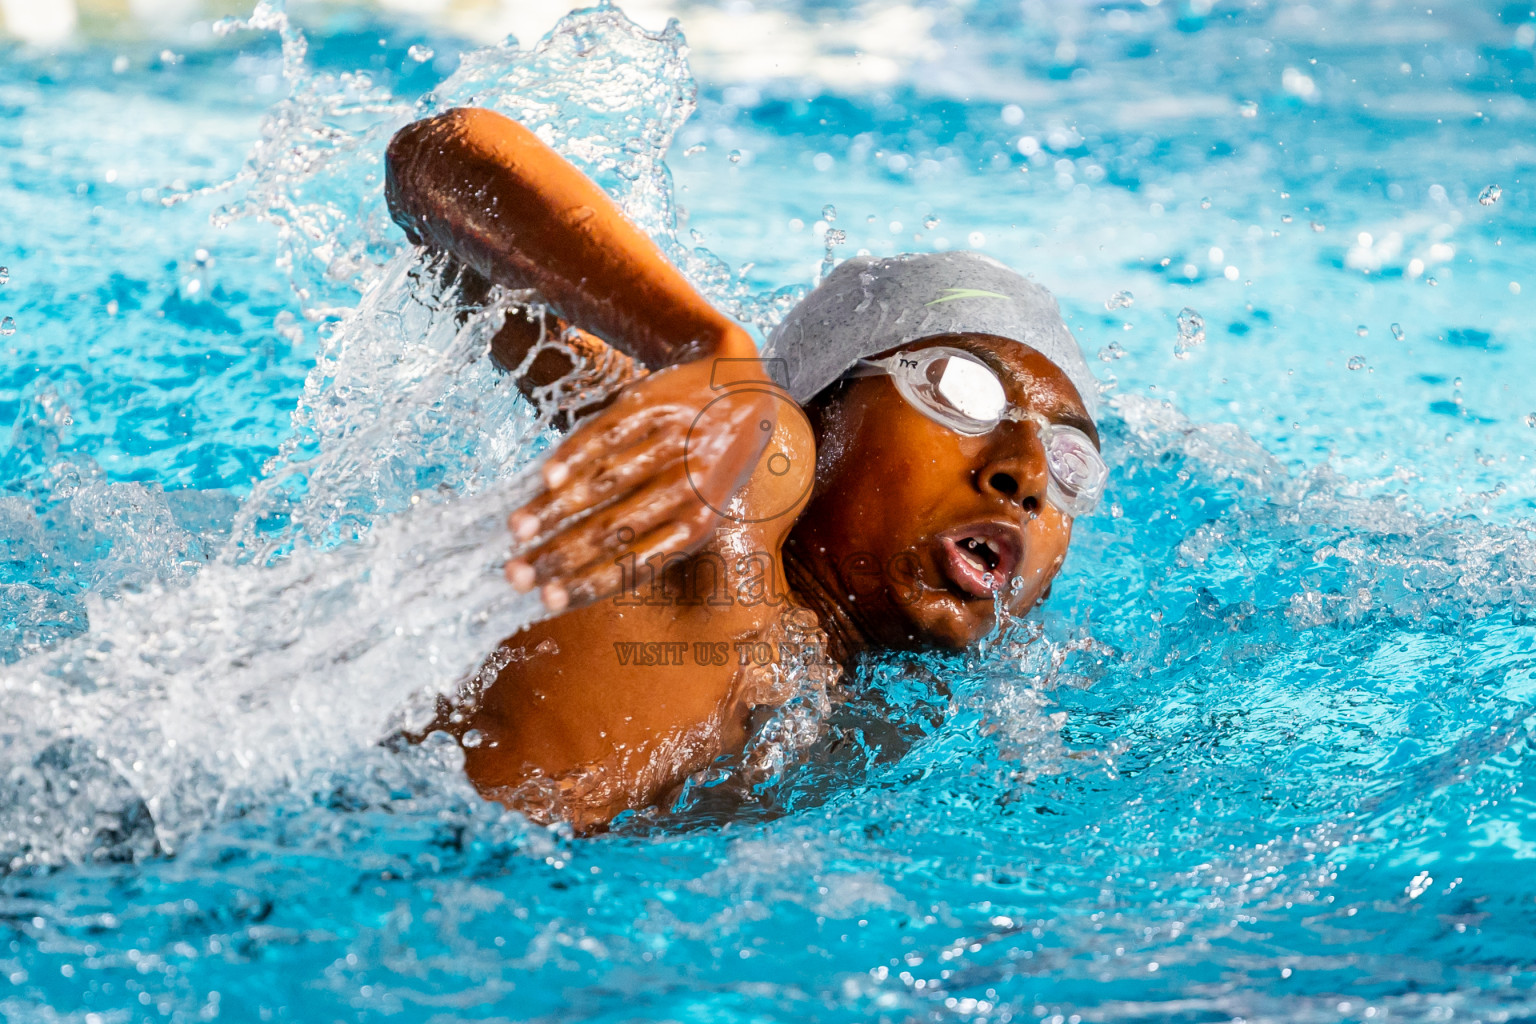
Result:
{"points": [[485, 189]]}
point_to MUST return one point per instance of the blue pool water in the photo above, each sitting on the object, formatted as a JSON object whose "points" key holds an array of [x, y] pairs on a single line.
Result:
{"points": [[1266, 753]]}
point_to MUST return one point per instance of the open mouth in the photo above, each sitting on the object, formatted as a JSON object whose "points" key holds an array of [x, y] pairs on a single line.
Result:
{"points": [[979, 559]]}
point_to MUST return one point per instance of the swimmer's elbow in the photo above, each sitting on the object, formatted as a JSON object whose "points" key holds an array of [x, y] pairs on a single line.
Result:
{"points": [[407, 186], [444, 174]]}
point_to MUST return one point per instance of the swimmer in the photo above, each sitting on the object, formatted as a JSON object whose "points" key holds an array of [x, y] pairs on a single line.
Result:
{"points": [[905, 460]]}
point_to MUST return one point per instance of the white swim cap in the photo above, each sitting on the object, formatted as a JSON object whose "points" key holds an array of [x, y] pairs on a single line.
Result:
{"points": [[867, 306]]}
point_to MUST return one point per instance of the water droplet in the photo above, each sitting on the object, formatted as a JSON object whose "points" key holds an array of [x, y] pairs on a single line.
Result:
{"points": [[1120, 300], [473, 738], [1250, 108], [694, 150], [1285, 218], [1319, 228], [1191, 332], [734, 156], [836, 236], [829, 213], [1285, 195], [1431, 282], [1490, 195], [1530, 420], [1397, 332], [696, 235], [7, 327], [1356, 362], [5, 274], [1205, 203], [930, 222], [1362, 330], [1111, 351]]}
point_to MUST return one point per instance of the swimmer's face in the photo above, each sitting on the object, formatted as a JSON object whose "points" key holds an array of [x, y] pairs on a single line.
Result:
{"points": [[909, 519]]}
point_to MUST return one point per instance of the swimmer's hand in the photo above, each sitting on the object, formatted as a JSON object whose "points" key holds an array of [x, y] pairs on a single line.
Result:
{"points": [[643, 478]]}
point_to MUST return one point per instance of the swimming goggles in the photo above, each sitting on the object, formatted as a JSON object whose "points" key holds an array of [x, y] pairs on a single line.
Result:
{"points": [[958, 390]]}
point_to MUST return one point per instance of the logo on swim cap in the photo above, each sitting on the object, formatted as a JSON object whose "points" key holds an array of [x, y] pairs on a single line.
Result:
{"points": [[951, 294]]}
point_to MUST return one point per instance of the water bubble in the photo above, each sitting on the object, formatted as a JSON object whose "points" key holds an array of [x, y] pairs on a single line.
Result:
{"points": [[1191, 332], [473, 738], [1490, 195], [694, 150], [1205, 203], [7, 327], [1285, 218], [1362, 330], [420, 54], [829, 213], [734, 156], [1397, 332], [1285, 195], [1356, 362], [930, 222], [5, 275], [1111, 351], [1249, 108], [1530, 420], [1319, 228], [833, 238], [1120, 300]]}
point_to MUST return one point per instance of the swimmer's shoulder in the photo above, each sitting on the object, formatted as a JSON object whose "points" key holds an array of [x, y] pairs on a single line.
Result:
{"points": [[776, 493]]}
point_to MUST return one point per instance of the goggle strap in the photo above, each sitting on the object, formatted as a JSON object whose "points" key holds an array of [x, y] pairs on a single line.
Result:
{"points": [[867, 368]]}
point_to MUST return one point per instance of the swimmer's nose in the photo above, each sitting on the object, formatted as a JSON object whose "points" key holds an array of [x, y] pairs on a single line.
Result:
{"points": [[1017, 473]]}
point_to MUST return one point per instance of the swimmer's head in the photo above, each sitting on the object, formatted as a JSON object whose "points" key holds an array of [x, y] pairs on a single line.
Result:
{"points": [[916, 528]]}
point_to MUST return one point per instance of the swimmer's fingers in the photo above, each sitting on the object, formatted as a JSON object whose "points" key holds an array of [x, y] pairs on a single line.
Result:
{"points": [[637, 413], [668, 514], [608, 533], [603, 579], [636, 442], [610, 477]]}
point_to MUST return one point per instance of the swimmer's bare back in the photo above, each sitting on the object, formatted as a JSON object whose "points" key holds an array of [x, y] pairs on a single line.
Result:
{"points": [[639, 681]]}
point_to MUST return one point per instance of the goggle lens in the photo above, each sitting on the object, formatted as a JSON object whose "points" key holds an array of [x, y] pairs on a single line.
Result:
{"points": [[1077, 470], [963, 393], [970, 389]]}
